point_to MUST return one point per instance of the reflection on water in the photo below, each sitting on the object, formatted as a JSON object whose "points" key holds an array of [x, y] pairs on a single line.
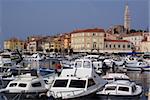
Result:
{"points": [[141, 78]]}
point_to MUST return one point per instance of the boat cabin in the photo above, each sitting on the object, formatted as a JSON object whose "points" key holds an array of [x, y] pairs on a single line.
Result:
{"points": [[26, 83], [121, 88]]}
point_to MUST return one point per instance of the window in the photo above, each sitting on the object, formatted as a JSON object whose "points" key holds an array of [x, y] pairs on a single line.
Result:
{"points": [[86, 64], [7, 64], [77, 83], [123, 89], [6, 56], [93, 34], [110, 46], [60, 83], [12, 84], [106, 45], [91, 82], [123, 46], [78, 64], [94, 45], [110, 88], [38, 84], [129, 46], [114, 46], [118, 46], [22, 85]]}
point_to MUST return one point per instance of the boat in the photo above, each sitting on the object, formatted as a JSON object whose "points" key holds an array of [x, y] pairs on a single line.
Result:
{"points": [[130, 59], [121, 88], [108, 62], [25, 86], [138, 66], [34, 57], [79, 81], [110, 77], [149, 94], [118, 62]]}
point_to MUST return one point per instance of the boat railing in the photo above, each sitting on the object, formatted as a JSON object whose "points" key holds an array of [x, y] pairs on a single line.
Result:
{"points": [[18, 96], [63, 92]]}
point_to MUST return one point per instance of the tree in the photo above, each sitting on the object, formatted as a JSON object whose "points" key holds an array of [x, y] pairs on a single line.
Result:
{"points": [[51, 50], [71, 51], [132, 31], [56, 50], [139, 30], [66, 50]]}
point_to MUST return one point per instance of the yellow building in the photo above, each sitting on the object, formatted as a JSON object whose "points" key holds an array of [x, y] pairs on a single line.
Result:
{"points": [[14, 43], [67, 41], [87, 40], [55, 44]]}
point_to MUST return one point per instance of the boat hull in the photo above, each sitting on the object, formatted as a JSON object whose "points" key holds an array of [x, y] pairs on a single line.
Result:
{"points": [[23, 95]]}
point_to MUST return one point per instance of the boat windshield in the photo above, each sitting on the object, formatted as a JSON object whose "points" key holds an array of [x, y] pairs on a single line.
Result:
{"points": [[125, 89], [110, 88], [13, 85], [91, 82], [78, 64], [7, 64], [37, 84], [22, 85], [60, 83], [86, 64], [77, 83], [5, 56]]}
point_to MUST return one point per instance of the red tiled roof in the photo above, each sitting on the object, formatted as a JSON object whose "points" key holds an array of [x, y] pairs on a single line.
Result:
{"points": [[133, 34], [106, 40], [88, 30]]}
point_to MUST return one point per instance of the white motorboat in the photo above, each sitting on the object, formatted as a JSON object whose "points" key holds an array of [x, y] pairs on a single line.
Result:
{"points": [[34, 57], [108, 62], [110, 77], [146, 68], [119, 62], [79, 81], [139, 66], [130, 59], [25, 86], [149, 94], [6, 60], [121, 88]]}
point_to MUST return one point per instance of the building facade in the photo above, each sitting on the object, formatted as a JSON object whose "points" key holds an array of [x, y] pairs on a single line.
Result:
{"points": [[87, 40], [117, 46], [34, 44], [135, 39], [145, 44], [13, 44]]}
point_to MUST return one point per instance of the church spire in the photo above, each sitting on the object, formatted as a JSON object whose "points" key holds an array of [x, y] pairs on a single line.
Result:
{"points": [[127, 19]]}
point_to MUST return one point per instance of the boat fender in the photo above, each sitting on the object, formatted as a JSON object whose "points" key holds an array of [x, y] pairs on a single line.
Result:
{"points": [[48, 94]]}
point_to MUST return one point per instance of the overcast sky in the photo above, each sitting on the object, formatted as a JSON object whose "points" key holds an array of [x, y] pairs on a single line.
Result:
{"points": [[20, 18]]}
